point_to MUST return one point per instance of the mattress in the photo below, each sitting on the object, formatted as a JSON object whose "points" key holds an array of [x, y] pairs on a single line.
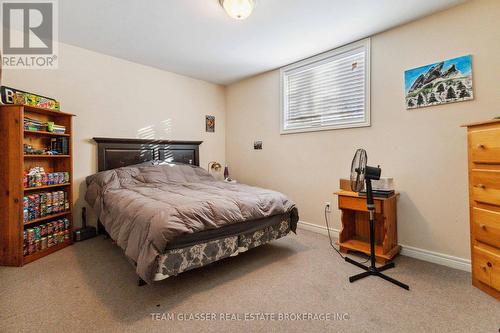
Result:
{"points": [[227, 231]]}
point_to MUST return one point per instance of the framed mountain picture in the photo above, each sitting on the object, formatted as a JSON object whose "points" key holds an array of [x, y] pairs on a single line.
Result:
{"points": [[439, 83]]}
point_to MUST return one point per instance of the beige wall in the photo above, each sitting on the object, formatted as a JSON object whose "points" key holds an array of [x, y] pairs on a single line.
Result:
{"points": [[424, 150], [116, 98]]}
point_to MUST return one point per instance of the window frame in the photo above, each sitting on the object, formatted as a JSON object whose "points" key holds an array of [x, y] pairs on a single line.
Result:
{"points": [[366, 43]]}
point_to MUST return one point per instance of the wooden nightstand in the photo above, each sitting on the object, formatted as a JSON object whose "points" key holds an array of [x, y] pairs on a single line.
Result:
{"points": [[355, 233]]}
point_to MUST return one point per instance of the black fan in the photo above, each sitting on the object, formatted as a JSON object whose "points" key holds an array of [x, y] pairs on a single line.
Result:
{"points": [[358, 170], [362, 174]]}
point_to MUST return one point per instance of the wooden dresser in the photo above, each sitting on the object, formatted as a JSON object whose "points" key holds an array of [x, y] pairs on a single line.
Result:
{"points": [[484, 199]]}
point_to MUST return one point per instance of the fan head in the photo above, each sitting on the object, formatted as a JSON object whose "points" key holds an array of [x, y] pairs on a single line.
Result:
{"points": [[358, 168]]}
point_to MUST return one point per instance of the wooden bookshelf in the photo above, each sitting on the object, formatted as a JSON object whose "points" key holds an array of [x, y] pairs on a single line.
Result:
{"points": [[29, 189], [46, 156], [47, 218], [37, 255], [42, 111], [44, 133], [13, 162]]}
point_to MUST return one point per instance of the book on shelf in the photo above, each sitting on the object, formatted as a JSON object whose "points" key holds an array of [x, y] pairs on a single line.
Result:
{"points": [[34, 124], [51, 127], [60, 145], [37, 125]]}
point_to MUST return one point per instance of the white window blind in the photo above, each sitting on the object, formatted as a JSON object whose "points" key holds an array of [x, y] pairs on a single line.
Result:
{"points": [[328, 91]]}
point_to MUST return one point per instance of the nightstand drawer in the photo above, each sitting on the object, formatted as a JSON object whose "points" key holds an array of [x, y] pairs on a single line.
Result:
{"points": [[485, 187], [485, 146], [486, 226], [358, 204]]}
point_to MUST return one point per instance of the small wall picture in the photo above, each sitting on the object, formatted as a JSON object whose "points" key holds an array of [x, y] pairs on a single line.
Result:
{"points": [[210, 123], [439, 83], [257, 145]]}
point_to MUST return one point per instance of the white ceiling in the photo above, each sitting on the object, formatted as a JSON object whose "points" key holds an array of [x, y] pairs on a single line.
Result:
{"points": [[196, 38]]}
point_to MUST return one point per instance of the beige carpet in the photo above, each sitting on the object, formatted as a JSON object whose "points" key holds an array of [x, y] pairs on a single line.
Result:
{"points": [[91, 287]]}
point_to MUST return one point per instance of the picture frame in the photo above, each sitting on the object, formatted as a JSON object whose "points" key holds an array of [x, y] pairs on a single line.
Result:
{"points": [[443, 82], [210, 124]]}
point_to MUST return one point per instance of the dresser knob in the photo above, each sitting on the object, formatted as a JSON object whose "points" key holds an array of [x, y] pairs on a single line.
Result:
{"points": [[489, 264], [482, 226], [480, 146], [481, 186], [483, 268]]}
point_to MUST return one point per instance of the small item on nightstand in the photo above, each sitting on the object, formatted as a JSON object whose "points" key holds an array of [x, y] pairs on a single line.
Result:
{"points": [[214, 166], [345, 184], [382, 188], [228, 179]]}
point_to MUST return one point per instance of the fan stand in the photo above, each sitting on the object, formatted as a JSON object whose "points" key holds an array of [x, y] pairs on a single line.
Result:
{"points": [[372, 269]]}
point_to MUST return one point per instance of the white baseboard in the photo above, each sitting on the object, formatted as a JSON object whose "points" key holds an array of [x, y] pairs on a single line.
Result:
{"points": [[320, 229], [436, 257], [409, 251]]}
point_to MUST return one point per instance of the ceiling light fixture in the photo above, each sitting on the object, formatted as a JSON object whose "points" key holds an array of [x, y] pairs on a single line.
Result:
{"points": [[238, 9]]}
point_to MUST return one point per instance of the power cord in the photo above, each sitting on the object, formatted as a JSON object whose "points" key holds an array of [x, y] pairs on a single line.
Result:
{"points": [[331, 241], [330, 236]]}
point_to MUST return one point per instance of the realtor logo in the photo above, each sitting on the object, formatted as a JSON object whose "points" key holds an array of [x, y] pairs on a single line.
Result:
{"points": [[29, 34]]}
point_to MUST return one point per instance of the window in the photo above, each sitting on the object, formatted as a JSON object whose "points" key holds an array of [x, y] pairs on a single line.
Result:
{"points": [[328, 91]]}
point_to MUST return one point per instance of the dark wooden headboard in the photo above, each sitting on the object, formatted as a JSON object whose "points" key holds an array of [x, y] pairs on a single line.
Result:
{"points": [[115, 153]]}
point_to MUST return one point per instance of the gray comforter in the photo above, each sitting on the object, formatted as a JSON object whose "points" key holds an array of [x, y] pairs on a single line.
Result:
{"points": [[143, 208]]}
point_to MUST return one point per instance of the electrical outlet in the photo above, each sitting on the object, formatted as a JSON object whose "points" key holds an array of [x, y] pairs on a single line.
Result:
{"points": [[328, 206]]}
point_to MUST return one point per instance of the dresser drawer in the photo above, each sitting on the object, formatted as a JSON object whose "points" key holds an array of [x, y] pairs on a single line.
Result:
{"points": [[486, 265], [495, 272], [486, 187], [358, 203], [485, 146], [486, 226], [481, 265]]}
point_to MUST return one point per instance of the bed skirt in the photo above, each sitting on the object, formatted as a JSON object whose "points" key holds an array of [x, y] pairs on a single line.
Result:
{"points": [[176, 261]]}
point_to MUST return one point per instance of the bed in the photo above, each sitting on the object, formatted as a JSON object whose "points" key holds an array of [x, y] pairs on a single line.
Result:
{"points": [[170, 216]]}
